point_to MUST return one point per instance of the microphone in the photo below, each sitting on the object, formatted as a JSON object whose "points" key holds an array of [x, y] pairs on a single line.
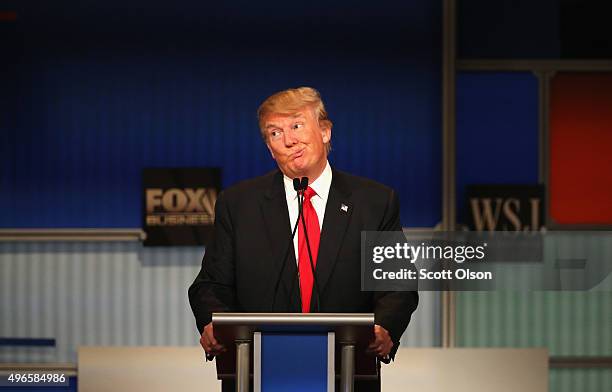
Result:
{"points": [[304, 186], [297, 185]]}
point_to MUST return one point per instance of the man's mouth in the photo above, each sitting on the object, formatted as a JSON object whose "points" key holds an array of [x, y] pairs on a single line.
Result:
{"points": [[297, 154]]}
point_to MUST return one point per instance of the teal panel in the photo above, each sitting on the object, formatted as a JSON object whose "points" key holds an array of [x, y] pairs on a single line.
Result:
{"points": [[567, 323], [583, 380]]}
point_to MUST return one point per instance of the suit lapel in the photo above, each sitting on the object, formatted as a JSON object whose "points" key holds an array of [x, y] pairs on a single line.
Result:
{"points": [[338, 213], [276, 218]]}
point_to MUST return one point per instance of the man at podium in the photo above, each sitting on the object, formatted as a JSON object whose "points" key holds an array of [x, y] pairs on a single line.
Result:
{"points": [[255, 265]]}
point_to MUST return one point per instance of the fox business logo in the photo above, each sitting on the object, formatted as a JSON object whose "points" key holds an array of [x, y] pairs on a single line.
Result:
{"points": [[180, 207]]}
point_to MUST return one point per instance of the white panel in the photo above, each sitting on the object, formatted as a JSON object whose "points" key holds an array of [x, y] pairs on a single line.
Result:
{"points": [[467, 370]]}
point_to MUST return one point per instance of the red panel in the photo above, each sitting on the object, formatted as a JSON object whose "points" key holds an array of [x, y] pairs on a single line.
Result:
{"points": [[581, 148], [8, 15]]}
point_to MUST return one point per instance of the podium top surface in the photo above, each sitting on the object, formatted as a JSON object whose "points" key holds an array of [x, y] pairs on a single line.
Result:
{"points": [[294, 319]]}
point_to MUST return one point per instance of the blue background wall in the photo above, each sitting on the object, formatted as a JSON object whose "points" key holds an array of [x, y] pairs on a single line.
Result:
{"points": [[496, 131], [106, 89]]}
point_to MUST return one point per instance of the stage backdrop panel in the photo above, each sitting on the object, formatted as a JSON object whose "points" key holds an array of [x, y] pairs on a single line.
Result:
{"points": [[497, 130], [508, 29], [580, 141], [90, 103]]}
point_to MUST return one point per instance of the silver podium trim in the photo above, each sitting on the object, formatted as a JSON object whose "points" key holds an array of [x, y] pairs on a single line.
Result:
{"points": [[322, 319]]}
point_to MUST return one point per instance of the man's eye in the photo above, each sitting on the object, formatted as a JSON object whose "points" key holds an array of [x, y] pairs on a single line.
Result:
{"points": [[275, 134], [298, 126]]}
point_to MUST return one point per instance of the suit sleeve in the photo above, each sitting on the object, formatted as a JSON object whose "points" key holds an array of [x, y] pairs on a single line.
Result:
{"points": [[213, 288], [393, 309]]}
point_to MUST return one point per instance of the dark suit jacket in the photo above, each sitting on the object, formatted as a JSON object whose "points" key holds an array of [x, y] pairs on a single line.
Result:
{"points": [[253, 236]]}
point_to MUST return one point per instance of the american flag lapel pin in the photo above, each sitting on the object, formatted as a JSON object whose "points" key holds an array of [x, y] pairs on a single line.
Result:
{"points": [[343, 207]]}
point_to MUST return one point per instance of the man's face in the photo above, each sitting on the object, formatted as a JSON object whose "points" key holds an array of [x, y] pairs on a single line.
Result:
{"points": [[297, 143]]}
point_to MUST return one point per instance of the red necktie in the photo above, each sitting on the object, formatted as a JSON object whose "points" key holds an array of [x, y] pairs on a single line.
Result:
{"points": [[314, 235]]}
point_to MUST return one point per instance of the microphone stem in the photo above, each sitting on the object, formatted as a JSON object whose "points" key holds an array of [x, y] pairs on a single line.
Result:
{"points": [[280, 275]]}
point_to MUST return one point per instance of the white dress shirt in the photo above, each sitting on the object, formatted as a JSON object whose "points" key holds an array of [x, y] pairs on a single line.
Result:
{"points": [[319, 201]]}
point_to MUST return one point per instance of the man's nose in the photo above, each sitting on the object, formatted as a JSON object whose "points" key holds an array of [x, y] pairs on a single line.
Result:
{"points": [[289, 139]]}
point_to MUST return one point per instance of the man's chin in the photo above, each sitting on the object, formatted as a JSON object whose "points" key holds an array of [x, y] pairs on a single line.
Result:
{"points": [[297, 170]]}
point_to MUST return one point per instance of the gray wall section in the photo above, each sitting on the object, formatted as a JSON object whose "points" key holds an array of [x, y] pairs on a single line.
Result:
{"points": [[94, 294], [424, 329], [583, 380], [569, 323], [115, 293]]}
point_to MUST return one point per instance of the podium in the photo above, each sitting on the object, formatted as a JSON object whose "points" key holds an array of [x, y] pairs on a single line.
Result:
{"points": [[295, 351]]}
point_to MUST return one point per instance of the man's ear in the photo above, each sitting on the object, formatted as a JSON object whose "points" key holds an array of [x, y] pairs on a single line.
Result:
{"points": [[326, 130]]}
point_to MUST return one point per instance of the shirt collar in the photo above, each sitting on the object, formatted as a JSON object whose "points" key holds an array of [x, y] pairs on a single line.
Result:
{"points": [[320, 186]]}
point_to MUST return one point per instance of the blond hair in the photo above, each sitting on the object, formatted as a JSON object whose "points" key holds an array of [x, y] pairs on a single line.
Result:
{"points": [[293, 100]]}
